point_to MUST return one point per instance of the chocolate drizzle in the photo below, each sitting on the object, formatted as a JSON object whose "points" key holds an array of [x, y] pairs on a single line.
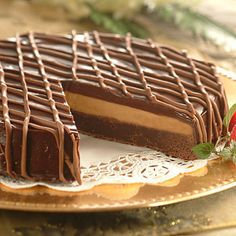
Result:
{"points": [[7, 122], [26, 109], [122, 69], [139, 69], [112, 65], [93, 60], [59, 124]]}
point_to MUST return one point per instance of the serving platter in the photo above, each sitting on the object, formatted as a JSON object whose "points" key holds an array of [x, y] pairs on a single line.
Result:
{"points": [[110, 197], [215, 177]]}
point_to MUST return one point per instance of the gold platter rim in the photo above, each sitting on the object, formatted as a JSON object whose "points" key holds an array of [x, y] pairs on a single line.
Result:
{"points": [[117, 205]]}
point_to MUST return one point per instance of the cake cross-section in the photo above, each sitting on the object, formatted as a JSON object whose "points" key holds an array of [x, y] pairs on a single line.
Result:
{"points": [[117, 87]]}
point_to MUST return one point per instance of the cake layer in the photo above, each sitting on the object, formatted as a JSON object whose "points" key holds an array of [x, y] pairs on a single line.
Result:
{"points": [[174, 144], [125, 114]]}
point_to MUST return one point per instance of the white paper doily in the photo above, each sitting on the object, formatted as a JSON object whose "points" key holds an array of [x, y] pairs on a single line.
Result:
{"points": [[105, 162]]}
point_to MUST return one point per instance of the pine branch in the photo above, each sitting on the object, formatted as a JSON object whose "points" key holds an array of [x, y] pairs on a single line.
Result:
{"points": [[197, 24], [120, 26]]}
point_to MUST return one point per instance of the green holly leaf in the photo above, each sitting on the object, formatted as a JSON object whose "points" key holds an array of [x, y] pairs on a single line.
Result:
{"points": [[229, 115], [203, 150]]}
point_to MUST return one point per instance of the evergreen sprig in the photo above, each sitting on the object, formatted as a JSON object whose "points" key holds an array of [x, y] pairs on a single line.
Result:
{"points": [[114, 25], [199, 25]]}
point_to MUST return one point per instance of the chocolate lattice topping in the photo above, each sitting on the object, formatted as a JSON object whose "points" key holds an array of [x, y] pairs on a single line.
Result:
{"points": [[119, 65], [140, 69]]}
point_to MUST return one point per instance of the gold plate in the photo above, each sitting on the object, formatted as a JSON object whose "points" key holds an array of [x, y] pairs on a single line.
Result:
{"points": [[216, 177], [220, 176]]}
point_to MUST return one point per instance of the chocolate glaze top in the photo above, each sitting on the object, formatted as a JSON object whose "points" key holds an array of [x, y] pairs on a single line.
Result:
{"points": [[117, 67], [139, 69]]}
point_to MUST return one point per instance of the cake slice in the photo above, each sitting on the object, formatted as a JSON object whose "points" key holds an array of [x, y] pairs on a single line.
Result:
{"points": [[119, 88], [38, 136]]}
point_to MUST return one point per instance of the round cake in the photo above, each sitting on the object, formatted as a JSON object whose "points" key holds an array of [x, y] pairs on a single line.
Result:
{"points": [[109, 86]]}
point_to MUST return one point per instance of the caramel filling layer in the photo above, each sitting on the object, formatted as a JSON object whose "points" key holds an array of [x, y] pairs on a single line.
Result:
{"points": [[125, 114]]}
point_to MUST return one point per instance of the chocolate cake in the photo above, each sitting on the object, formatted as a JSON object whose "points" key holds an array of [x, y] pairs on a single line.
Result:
{"points": [[117, 87]]}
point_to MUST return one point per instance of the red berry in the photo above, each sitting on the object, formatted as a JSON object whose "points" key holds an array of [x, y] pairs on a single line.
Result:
{"points": [[233, 133], [232, 122]]}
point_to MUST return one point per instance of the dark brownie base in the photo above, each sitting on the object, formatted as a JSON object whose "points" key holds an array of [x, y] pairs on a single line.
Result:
{"points": [[176, 145]]}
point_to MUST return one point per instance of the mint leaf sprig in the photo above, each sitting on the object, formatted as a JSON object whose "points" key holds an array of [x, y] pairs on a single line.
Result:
{"points": [[203, 150], [226, 145]]}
